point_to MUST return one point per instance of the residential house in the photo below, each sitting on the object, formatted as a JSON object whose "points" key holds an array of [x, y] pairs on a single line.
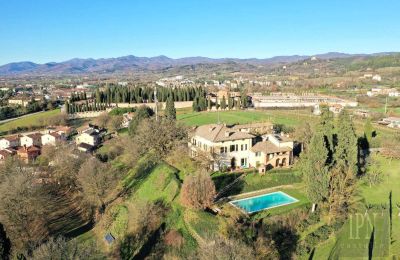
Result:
{"points": [[275, 150], [10, 141], [51, 138], [62, 130], [31, 139], [91, 136], [28, 154]]}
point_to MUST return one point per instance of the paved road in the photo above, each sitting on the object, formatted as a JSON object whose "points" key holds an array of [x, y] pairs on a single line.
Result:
{"points": [[15, 118]]}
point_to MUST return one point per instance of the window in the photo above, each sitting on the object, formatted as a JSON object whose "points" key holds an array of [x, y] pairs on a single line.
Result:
{"points": [[243, 162], [232, 148], [245, 147], [237, 147], [258, 154], [241, 147]]}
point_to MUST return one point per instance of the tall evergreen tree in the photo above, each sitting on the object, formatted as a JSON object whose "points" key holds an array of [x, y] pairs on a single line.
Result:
{"points": [[195, 105], [230, 103], [315, 171], [244, 100], [346, 150], [170, 111], [223, 103]]}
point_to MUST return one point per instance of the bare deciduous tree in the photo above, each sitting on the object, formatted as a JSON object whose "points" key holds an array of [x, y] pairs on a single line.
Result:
{"points": [[60, 248], [24, 208], [198, 191], [97, 182]]}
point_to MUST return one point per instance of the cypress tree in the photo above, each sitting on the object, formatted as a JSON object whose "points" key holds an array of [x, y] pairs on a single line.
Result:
{"points": [[195, 106], [223, 103], [346, 150], [170, 111], [67, 107], [244, 101], [230, 103], [315, 171]]}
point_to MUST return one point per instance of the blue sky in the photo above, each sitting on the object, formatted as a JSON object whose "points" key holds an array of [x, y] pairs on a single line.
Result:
{"points": [[57, 30]]}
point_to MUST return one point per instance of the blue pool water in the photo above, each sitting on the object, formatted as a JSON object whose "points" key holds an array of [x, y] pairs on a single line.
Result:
{"points": [[266, 201]]}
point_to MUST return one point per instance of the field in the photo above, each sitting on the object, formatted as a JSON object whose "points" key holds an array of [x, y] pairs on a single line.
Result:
{"points": [[28, 121], [364, 237], [286, 117], [376, 224]]}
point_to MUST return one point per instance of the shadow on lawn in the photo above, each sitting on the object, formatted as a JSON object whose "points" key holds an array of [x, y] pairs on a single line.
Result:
{"points": [[223, 182]]}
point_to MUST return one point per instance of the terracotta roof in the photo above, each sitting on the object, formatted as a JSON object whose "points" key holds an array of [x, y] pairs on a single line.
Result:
{"points": [[268, 147], [12, 138], [28, 149], [35, 135], [55, 134], [219, 133], [5, 153]]}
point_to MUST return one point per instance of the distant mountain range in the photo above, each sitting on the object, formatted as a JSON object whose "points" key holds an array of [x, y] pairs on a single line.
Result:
{"points": [[134, 63]]}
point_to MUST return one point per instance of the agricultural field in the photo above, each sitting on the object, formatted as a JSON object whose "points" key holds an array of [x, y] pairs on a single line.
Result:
{"points": [[28, 121]]}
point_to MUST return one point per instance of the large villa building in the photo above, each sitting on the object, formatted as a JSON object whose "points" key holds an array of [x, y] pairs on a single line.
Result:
{"points": [[242, 146]]}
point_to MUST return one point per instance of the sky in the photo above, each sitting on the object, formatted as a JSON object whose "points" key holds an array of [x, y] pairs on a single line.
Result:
{"points": [[57, 30]]}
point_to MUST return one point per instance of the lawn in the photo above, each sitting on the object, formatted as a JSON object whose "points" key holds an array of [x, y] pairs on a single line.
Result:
{"points": [[28, 121], [363, 237], [344, 245], [379, 194], [286, 117], [161, 183], [255, 181]]}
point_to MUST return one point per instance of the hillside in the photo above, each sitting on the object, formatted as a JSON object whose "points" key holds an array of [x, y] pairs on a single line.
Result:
{"points": [[160, 63]]}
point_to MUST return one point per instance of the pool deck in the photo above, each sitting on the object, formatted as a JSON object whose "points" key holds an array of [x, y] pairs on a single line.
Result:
{"points": [[258, 192]]}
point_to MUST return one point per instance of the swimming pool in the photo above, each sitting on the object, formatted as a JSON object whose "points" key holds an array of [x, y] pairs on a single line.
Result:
{"points": [[262, 202]]}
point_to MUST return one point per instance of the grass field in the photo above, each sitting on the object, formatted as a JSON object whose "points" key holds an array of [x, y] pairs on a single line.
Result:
{"points": [[286, 117], [28, 121], [364, 237], [379, 194]]}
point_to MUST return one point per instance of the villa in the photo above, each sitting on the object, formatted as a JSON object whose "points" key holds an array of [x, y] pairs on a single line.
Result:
{"points": [[239, 146]]}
